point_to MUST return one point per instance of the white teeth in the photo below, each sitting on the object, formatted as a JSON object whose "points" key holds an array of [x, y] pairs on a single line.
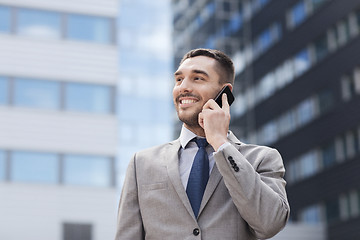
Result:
{"points": [[186, 101]]}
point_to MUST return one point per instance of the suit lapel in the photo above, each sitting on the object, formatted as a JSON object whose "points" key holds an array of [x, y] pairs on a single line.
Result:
{"points": [[214, 180], [174, 174]]}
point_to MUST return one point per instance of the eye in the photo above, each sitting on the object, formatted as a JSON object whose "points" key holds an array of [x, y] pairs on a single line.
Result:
{"points": [[178, 79], [198, 78]]}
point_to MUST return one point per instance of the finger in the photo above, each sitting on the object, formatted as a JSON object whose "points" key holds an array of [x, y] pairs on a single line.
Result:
{"points": [[201, 120], [211, 104], [225, 104]]}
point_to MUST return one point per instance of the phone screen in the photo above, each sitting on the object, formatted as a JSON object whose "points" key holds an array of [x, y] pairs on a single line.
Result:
{"points": [[230, 96]]}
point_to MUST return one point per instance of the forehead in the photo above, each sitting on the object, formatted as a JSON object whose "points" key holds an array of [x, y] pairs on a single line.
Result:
{"points": [[202, 63]]}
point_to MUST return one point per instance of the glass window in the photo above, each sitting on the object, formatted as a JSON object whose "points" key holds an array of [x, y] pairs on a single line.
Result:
{"points": [[317, 3], [326, 101], [312, 214], [268, 133], [37, 93], [332, 210], [309, 164], [302, 62], [87, 170], [343, 32], [89, 28], [235, 22], [329, 155], [264, 41], [350, 144], [344, 207], [3, 90], [267, 86], [348, 87], [34, 167], [284, 74], [2, 165], [292, 171], [298, 13], [38, 23], [5, 19], [88, 98], [305, 111], [357, 141], [321, 48], [287, 123]]}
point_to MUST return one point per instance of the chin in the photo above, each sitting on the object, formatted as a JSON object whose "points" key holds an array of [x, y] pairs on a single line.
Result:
{"points": [[189, 119]]}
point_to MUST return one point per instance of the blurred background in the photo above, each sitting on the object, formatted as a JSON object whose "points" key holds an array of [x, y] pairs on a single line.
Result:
{"points": [[84, 84]]}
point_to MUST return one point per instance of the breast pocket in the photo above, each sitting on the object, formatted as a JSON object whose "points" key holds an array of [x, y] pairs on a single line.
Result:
{"points": [[155, 186]]}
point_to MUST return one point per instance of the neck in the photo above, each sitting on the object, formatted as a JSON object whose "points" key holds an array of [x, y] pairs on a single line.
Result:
{"points": [[199, 131]]}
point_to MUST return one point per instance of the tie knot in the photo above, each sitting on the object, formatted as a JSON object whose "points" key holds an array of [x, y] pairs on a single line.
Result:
{"points": [[201, 142]]}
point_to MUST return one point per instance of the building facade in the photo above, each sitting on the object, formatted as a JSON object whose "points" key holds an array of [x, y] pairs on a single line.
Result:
{"points": [[145, 107], [58, 124], [297, 89]]}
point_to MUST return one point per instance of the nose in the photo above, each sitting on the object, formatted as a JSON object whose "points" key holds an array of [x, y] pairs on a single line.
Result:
{"points": [[185, 85]]}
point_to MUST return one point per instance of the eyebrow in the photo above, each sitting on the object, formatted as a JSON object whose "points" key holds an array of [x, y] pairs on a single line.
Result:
{"points": [[193, 71]]}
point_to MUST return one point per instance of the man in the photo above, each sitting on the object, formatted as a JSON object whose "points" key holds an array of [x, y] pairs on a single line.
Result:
{"points": [[245, 194]]}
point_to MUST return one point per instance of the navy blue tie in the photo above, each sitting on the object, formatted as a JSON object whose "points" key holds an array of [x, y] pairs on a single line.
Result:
{"points": [[199, 176]]}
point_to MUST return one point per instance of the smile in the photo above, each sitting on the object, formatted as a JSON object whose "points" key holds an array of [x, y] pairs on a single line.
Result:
{"points": [[187, 101]]}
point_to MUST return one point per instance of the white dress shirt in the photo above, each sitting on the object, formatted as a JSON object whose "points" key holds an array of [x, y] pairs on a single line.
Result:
{"points": [[187, 154]]}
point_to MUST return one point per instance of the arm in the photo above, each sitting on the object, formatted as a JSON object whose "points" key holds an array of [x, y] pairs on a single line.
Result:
{"points": [[129, 225], [257, 188], [258, 193]]}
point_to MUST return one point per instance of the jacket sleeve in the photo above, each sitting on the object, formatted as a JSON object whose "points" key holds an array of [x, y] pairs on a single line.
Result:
{"points": [[255, 182], [129, 224]]}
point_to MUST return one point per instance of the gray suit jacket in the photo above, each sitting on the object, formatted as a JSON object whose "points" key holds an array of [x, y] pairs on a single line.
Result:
{"points": [[250, 203]]}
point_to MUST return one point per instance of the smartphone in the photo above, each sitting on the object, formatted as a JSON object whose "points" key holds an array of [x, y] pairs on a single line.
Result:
{"points": [[230, 96]]}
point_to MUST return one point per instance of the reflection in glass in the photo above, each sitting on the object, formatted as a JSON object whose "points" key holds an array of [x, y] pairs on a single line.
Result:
{"points": [[305, 111], [89, 28], [37, 93], [311, 214], [329, 155], [87, 170], [264, 41], [2, 165], [298, 13], [301, 62], [5, 18], [317, 3], [3, 90], [39, 23], [309, 164], [326, 100], [88, 98], [332, 210], [34, 167], [321, 48]]}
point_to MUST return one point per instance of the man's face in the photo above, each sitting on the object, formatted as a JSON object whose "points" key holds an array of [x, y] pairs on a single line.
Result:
{"points": [[196, 81]]}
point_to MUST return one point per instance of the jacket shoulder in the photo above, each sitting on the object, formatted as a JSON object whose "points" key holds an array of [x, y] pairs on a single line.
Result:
{"points": [[157, 150]]}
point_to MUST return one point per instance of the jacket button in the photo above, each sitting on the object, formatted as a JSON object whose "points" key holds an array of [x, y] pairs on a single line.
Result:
{"points": [[236, 169], [196, 231], [230, 158]]}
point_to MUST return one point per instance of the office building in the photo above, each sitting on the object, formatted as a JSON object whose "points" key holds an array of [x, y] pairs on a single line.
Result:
{"points": [[145, 84], [297, 89], [58, 124]]}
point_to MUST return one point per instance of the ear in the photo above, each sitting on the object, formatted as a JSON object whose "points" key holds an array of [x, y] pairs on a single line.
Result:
{"points": [[230, 86]]}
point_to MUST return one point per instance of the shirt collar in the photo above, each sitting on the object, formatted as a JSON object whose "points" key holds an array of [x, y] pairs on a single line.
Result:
{"points": [[186, 136]]}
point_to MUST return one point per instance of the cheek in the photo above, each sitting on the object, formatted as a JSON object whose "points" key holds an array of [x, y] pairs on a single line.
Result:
{"points": [[175, 92]]}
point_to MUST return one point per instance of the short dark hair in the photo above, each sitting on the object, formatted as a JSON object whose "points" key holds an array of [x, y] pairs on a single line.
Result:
{"points": [[224, 61]]}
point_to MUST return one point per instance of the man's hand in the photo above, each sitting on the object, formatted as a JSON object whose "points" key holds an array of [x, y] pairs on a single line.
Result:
{"points": [[215, 121]]}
